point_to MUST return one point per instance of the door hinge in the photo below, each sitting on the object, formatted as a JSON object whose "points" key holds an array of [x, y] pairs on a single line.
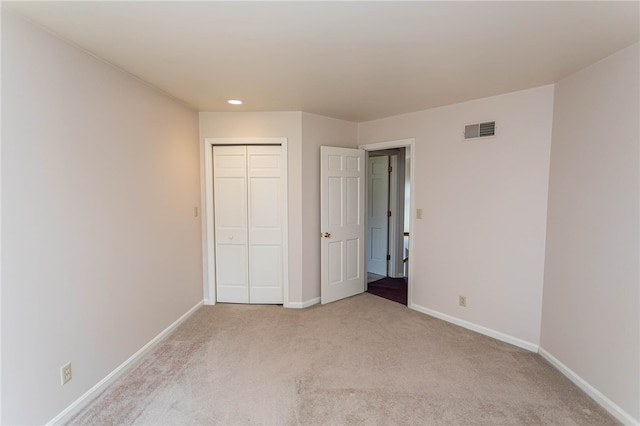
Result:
{"points": [[388, 257], [389, 213], [390, 169]]}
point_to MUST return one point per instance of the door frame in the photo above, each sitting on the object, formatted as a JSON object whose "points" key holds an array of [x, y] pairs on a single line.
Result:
{"points": [[400, 143], [208, 234]]}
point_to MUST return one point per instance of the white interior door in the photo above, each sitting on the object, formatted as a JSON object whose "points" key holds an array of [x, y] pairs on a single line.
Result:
{"points": [[265, 223], [377, 215], [248, 224], [230, 216], [342, 222]]}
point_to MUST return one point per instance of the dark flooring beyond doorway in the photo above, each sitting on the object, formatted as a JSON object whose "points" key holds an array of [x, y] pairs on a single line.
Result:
{"points": [[390, 288]]}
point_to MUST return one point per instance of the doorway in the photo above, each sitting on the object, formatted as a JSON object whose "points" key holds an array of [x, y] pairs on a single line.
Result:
{"points": [[388, 219]]}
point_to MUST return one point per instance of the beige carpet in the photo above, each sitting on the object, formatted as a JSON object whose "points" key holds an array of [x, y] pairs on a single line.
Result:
{"points": [[363, 360]]}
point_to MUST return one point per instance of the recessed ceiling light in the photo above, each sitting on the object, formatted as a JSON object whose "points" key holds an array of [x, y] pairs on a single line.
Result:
{"points": [[235, 101]]}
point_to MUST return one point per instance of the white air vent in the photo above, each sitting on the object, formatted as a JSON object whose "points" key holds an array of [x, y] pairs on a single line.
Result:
{"points": [[480, 130]]}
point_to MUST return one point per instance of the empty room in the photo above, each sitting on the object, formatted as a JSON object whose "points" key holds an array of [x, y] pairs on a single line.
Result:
{"points": [[194, 195]]}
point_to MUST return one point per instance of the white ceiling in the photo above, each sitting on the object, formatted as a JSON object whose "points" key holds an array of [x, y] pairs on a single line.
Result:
{"points": [[352, 60]]}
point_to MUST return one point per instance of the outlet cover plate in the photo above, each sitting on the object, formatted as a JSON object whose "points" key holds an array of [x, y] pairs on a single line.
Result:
{"points": [[65, 373]]}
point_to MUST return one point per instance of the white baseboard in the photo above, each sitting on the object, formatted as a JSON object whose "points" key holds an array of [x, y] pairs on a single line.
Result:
{"points": [[85, 399], [595, 394], [477, 328], [302, 305]]}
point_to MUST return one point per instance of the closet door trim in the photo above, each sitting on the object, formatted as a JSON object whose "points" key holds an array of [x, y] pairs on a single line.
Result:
{"points": [[207, 217]]}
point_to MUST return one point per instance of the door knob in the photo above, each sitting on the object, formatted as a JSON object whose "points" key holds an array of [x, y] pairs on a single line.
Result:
{"points": [[326, 235]]}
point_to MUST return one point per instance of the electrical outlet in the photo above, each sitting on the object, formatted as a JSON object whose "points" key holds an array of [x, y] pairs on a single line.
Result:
{"points": [[65, 373], [462, 301]]}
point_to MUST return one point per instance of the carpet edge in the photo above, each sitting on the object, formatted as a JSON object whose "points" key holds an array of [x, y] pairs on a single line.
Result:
{"points": [[611, 407], [80, 403], [532, 347]]}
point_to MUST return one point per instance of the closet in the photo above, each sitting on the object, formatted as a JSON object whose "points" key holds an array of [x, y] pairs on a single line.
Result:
{"points": [[248, 223]]}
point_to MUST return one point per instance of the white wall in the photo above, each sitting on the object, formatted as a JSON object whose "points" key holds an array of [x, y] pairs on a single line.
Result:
{"points": [[590, 315], [100, 246], [484, 210], [316, 132], [266, 125]]}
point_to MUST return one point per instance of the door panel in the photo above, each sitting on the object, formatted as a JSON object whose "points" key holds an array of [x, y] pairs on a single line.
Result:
{"points": [[354, 206], [264, 212], [342, 222], [266, 273], [230, 218], [335, 262], [334, 200], [265, 224], [231, 273], [353, 259], [377, 219]]}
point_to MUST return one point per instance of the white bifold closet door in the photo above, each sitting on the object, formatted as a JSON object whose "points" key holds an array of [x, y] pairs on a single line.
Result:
{"points": [[248, 224]]}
